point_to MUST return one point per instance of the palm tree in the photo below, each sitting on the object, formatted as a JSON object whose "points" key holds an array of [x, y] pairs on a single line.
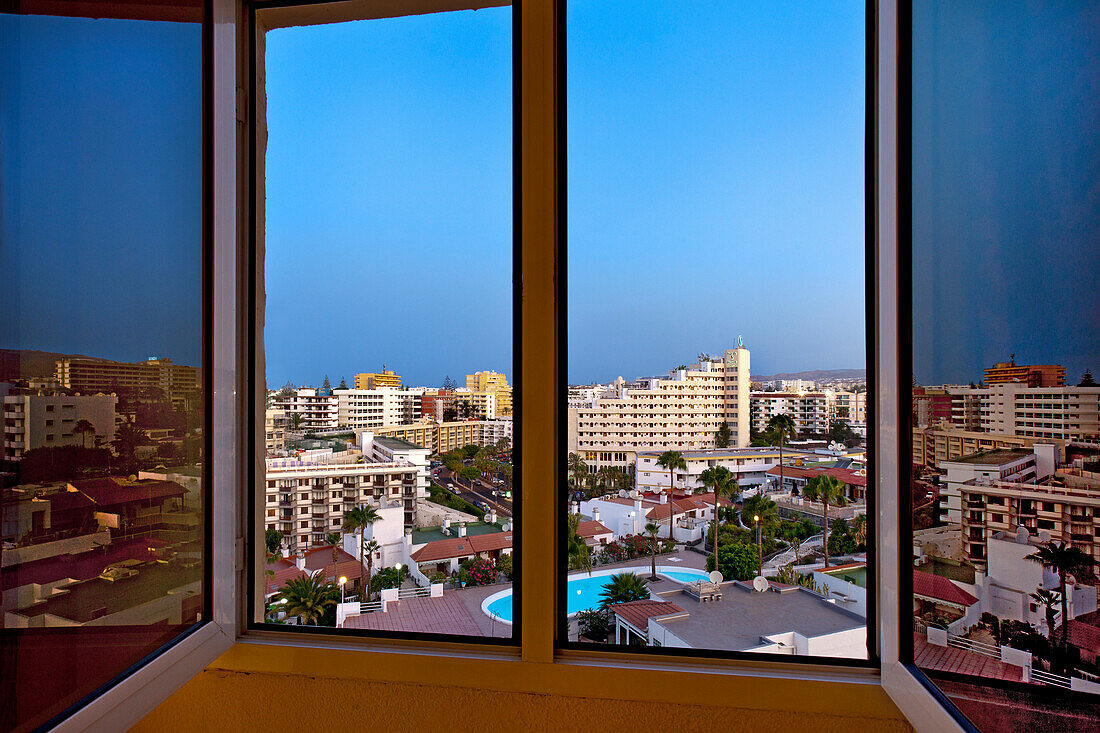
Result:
{"points": [[334, 540], [672, 460], [723, 483], [579, 553], [296, 420], [308, 597], [84, 428], [782, 427], [828, 490], [370, 548], [577, 468], [127, 438], [1047, 599], [652, 528], [358, 519], [859, 529], [623, 588], [760, 506], [1064, 559]]}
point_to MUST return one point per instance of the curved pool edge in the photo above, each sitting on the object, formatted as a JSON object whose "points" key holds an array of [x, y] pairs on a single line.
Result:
{"points": [[661, 570]]}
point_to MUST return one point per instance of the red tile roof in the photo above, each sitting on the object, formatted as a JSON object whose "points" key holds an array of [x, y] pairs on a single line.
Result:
{"points": [[638, 613], [691, 503], [845, 475], [591, 528], [938, 588], [319, 558], [1084, 632], [463, 546]]}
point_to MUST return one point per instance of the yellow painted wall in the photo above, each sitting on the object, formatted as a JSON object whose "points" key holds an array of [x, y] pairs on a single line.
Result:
{"points": [[227, 698]]}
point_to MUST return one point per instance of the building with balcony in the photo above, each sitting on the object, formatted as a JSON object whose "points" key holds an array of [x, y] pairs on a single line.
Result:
{"points": [[438, 437], [681, 412], [364, 409], [496, 383], [749, 465], [317, 408], [44, 419], [810, 410], [1030, 375], [933, 445], [176, 382], [480, 405]]}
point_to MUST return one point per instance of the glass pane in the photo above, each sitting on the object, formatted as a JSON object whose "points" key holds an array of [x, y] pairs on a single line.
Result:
{"points": [[716, 326], [101, 250], [1006, 441], [388, 324]]}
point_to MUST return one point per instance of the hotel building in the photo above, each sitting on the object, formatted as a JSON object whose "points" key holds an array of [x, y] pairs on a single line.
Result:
{"points": [[437, 437], [179, 383], [1030, 375], [374, 380], [810, 410], [933, 445], [682, 412]]}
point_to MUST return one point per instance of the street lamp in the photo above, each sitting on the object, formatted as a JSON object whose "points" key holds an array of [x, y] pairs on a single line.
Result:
{"points": [[759, 547], [397, 567], [343, 580]]}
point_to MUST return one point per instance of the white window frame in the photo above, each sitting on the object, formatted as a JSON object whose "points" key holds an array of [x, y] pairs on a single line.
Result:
{"points": [[534, 665]]}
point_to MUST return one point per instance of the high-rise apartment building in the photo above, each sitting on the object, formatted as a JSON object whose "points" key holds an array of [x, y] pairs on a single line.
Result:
{"points": [[1063, 413], [496, 383], [482, 405], [810, 410], [176, 382], [931, 445], [375, 380], [437, 437], [681, 412], [372, 408], [317, 408]]}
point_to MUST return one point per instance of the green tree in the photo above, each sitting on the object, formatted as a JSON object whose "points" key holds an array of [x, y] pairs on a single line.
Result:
{"points": [[389, 578], [828, 490], [1064, 559], [127, 439], [596, 623], [623, 588], [359, 519], [651, 529], [471, 450], [469, 473], [296, 420], [369, 549], [1047, 599], [782, 427], [840, 432], [673, 460], [578, 551], [737, 560], [723, 483], [84, 428], [723, 436], [761, 506], [273, 538], [308, 598]]}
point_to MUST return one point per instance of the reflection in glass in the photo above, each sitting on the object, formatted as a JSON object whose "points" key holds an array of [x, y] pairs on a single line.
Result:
{"points": [[716, 190], [101, 249], [388, 324], [1005, 491]]}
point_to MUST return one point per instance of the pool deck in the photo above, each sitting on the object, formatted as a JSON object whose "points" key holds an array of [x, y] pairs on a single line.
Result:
{"points": [[459, 611]]}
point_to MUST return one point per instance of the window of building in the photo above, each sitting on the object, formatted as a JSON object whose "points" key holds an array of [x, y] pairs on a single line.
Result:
{"points": [[105, 556], [403, 197], [752, 122], [1003, 167]]}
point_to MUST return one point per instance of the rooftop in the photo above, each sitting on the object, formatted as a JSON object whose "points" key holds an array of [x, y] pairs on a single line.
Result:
{"points": [[433, 534], [995, 457], [638, 613], [937, 588], [743, 616], [396, 443]]}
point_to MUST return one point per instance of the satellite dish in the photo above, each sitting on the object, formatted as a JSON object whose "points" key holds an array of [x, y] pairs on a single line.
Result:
{"points": [[633, 494], [715, 576], [760, 584], [1044, 535], [1022, 535], [623, 493]]}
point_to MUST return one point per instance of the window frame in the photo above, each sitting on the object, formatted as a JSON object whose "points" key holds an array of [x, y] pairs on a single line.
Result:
{"points": [[536, 666]]}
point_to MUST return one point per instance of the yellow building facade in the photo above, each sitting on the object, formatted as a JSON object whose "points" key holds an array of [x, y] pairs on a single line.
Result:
{"points": [[496, 383], [374, 380]]}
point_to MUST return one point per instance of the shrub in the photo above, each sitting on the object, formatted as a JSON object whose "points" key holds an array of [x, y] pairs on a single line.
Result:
{"points": [[596, 624], [504, 565], [736, 560], [479, 571]]}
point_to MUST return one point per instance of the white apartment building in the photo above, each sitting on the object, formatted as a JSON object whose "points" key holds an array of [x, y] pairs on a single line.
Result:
{"points": [[750, 465], [383, 449], [682, 412], [1012, 464], [495, 430], [797, 385], [483, 404], [319, 408], [1065, 413], [45, 420], [306, 499], [810, 410], [364, 409], [275, 425]]}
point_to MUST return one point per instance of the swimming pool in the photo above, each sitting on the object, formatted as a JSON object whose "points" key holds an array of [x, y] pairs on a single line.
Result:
{"points": [[583, 590]]}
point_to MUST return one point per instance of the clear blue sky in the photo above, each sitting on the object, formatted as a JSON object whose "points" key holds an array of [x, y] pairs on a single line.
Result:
{"points": [[101, 187], [1006, 187]]}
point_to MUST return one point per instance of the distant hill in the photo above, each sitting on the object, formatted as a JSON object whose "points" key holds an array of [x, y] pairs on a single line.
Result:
{"points": [[33, 363], [817, 375]]}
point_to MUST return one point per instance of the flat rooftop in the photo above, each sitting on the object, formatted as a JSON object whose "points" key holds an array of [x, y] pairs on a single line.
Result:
{"points": [[995, 457], [431, 534], [743, 616], [397, 443]]}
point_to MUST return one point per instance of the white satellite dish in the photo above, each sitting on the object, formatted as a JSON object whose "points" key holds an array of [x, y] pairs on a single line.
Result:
{"points": [[633, 494], [623, 493], [760, 584], [715, 576]]}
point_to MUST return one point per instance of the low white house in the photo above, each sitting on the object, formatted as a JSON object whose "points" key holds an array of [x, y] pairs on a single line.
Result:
{"points": [[629, 515]]}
